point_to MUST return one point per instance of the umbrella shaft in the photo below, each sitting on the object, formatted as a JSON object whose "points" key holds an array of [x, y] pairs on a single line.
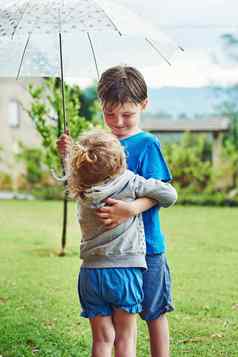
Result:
{"points": [[62, 82]]}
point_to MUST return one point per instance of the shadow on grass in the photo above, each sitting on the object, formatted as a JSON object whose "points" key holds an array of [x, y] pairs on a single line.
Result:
{"points": [[53, 253]]}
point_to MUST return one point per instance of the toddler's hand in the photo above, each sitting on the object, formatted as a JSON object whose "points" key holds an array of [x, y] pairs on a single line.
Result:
{"points": [[64, 144], [115, 213]]}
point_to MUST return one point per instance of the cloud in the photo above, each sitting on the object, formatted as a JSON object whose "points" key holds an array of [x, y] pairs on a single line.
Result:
{"points": [[196, 26], [194, 69]]}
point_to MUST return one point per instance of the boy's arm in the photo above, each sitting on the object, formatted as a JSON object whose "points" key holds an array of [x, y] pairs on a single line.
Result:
{"points": [[150, 192], [163, 192], [154, 165], [118, 211]]}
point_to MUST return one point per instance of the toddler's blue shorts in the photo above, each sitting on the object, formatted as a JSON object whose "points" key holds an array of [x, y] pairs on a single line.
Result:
{"points": [[157, 288], [102, 290]]}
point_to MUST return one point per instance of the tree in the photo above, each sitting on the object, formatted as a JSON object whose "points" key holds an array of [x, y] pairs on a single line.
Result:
{"points": [[82, 110], [229, 108]]}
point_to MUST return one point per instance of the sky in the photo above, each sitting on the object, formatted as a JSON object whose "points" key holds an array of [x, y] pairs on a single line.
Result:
{"points": [[197, 26]]}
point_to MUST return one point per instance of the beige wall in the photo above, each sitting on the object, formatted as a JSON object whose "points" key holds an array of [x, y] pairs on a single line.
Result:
{"points": [[10, 89]]}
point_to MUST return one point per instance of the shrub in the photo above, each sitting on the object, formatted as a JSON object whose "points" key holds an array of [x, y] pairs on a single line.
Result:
{"points": [[32, 160], [190, 162], [5, 181], [207, 199]]}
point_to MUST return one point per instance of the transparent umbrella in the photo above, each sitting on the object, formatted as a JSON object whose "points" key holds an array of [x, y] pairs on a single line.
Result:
{"points": [[57, 38], [75, 38]]}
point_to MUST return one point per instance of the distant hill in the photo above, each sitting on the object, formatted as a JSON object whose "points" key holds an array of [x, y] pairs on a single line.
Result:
{"points": [[178, 100]]}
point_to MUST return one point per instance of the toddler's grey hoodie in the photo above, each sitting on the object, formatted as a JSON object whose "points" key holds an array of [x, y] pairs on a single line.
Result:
{"points": [[123, 246]]}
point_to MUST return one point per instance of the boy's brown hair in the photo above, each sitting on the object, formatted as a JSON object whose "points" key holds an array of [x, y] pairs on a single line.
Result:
{"points": [[121, 84], [97, 156]]}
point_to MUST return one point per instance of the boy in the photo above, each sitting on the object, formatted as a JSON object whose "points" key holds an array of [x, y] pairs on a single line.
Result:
{"points": [[111, 275], [123, 94]]}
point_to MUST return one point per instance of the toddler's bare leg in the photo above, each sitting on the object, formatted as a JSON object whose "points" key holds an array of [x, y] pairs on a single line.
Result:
{"points": [[125, 329], [103, 336]]}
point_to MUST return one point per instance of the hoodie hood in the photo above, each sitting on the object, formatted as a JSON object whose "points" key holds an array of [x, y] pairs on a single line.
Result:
{"points": [[95, 196]]}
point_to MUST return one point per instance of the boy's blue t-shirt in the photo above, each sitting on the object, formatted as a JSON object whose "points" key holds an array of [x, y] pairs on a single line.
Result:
{"points": [[144, 157]]}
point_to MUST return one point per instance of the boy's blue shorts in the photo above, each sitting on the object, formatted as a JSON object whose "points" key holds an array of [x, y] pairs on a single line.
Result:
{"points": [[105, 289], [157, 288]]}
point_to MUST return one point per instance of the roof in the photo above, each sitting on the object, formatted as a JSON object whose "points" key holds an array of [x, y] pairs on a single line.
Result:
{"points": [[203, 125]]}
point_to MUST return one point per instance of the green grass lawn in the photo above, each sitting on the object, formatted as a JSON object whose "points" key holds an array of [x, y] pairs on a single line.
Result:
{"points": [[39, 310]]}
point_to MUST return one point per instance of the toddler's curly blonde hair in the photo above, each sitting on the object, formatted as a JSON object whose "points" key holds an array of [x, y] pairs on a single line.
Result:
{"points": [[96, 157]]}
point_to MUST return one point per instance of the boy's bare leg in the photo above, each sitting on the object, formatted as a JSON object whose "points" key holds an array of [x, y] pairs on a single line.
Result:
{"points": [[159, 336], [125, 328], [103, 336]]}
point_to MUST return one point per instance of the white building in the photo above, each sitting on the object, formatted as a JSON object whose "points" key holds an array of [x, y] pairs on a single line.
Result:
{"points": [[15, 124]]}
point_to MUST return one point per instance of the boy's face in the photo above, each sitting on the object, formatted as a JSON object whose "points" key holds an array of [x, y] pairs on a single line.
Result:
{"points": [[123, 120]]}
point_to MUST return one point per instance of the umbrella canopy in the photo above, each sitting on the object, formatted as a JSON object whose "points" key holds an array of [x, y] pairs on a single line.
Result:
{"points": [[94, 34]]}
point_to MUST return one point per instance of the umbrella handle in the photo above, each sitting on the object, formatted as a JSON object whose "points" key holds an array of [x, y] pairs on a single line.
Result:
{"points": [[59, 178]]}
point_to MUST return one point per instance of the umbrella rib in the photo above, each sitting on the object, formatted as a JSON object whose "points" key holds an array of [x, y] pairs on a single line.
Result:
{"points": [[157, 50], [111, 21], [23, 55], [15, 28], [94, 55]]}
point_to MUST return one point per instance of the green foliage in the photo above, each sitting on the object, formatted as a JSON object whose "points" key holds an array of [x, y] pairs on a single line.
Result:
{"points": [[46, 112], [207, 199], [5, 181], [195, 177], [32, 158], [36, 177], [229, 107], [230, 154], [230, 47], [48, 192], [190, 162]]}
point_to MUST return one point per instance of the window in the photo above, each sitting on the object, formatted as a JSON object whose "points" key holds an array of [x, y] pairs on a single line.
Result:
{"points": [[14, 113]]}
